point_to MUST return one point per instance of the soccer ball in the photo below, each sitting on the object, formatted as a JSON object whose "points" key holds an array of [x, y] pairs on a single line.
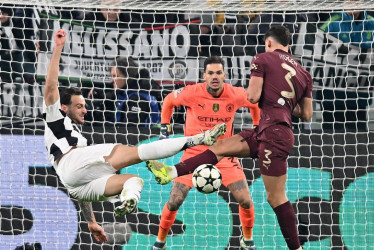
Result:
{"points": [[207, 178]]}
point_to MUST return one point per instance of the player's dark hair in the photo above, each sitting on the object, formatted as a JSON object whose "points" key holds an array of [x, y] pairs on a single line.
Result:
{"points": [[126, 66], [66, 93], [8, 9], [214, 60], [280, 33]]}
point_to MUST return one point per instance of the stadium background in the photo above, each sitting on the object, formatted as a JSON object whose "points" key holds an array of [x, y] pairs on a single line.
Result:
{"points": [[331, 171]]}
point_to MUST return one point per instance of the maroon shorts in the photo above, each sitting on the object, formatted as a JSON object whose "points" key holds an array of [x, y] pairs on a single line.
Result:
{"points": [[271, 146]]}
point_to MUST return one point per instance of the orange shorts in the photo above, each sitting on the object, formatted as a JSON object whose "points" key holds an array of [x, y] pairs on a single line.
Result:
{"points": [[230, 168]]}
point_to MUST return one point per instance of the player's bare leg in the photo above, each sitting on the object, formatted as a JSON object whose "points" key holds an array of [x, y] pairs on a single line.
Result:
{"points": [[276, 196], [124, 156], [234, 146], [164, 174], [129, 188], [275, 189], [115, 183], [178, 194], [240, 191]]}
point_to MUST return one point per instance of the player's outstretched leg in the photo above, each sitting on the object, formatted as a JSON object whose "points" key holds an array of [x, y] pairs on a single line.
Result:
{"points": [[165, 174], [168, 147], [129, 196]]}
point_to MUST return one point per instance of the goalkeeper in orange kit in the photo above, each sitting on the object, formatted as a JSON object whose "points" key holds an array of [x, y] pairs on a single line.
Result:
{"points": [[208, 104]]}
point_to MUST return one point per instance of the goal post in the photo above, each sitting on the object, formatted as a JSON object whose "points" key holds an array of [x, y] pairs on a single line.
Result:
{"points": [[330, 175]]}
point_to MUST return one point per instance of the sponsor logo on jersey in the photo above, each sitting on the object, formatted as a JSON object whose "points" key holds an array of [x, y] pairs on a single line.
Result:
{"points": [[230, 107], [213, 119], [201, 106], [215, 107]]}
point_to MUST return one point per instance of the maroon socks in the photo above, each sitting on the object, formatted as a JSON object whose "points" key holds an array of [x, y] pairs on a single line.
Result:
{"points": [[189, 165], [287, 222]]}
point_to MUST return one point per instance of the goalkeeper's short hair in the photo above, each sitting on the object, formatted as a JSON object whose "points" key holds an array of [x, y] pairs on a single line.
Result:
{"points": [[214, 60]]}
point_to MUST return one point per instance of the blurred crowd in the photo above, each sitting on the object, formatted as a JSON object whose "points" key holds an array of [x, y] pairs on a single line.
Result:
{"points": [[131, 90]]}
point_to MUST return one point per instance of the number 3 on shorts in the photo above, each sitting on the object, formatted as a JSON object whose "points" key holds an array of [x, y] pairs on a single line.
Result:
{"points": [[266, 163]]}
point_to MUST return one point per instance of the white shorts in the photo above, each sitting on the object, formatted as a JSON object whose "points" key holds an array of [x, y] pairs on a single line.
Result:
{"points": [[84, 172]]}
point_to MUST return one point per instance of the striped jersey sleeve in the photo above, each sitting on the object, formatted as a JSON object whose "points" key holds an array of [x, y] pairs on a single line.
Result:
{"points": [[60, 133]]}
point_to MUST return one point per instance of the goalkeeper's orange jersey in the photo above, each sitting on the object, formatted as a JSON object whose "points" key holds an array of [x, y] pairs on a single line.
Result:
{"points": [[205, 111]]}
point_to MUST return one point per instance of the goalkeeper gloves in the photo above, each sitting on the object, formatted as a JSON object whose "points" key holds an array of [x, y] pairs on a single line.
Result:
{"points": [[165, 131]]}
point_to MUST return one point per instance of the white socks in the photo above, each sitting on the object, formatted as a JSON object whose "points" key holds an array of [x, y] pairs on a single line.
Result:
{"points": [[172, 171], [167, 147], [132, 189]]}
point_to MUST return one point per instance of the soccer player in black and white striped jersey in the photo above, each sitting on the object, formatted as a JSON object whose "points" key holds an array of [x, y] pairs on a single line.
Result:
{"points": [[89, 171]]}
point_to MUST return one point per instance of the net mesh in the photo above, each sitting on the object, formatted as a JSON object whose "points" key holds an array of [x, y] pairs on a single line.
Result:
{"points": [[330, 175], [207, 5]]}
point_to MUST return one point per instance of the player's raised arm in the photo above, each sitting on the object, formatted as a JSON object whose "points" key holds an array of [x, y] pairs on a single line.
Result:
{"points": [[51, 94], [167, 108]]}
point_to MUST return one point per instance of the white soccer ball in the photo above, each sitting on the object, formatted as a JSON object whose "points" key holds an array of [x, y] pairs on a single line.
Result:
{"points": [[207, 178]]}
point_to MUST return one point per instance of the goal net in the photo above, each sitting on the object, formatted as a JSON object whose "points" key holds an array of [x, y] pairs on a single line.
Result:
{"points": [[330, 175]]}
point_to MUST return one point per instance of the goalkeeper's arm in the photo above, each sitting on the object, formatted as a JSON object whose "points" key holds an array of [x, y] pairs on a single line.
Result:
{"points": [[255, 113], [95, 229], [166, 114]]}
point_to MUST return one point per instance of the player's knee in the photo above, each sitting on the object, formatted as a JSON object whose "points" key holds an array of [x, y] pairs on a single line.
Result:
{"points": [[270, 197], [275, 199], [245, 202], [218, 148], [117, 159], [173, 205]]}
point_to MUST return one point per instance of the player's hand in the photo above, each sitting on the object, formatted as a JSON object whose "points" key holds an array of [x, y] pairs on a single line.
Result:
{"points": [[91, 93], [60, 37], [98, 232], [165, 131], [254, 126]]}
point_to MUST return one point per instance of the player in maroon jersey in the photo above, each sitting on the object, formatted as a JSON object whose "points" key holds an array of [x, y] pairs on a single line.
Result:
{"points": [[282, 88]]}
